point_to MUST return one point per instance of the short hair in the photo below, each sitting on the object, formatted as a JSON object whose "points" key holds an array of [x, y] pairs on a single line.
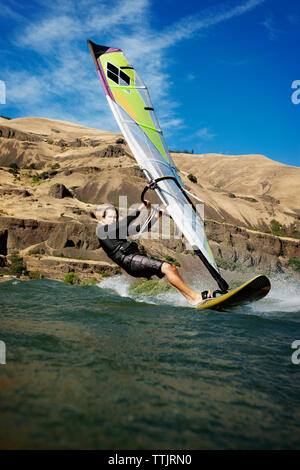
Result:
{"points": [[109, 209]]}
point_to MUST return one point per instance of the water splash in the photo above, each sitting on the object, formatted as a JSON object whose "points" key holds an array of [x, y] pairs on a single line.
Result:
{"points": [[283, 298], [121, 285]]}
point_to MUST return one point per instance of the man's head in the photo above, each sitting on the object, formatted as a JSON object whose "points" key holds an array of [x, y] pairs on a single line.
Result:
{"points": [[110, 215]]}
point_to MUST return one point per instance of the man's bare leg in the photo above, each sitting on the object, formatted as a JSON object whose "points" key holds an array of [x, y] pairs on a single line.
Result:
{"points": [[175, 279]]}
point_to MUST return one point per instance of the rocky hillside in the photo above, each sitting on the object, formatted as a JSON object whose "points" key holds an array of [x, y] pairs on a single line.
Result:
{"points": [[54, 175]]}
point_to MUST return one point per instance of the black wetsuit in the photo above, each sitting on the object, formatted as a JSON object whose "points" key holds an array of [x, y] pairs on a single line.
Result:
{"points": [[113, 240]]}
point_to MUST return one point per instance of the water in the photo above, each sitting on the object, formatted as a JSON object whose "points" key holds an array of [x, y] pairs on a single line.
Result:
{"points": [[92, 368]]}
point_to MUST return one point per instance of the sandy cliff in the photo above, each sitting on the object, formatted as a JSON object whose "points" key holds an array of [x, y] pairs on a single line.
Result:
{"points": [[54, 174]]}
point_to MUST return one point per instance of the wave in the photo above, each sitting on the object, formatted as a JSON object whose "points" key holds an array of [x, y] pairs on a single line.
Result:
{"points": [[121, 285], [283, 298]]}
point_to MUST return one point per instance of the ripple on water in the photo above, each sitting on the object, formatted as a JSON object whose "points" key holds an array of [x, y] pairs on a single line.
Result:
{"points": [[91, 367]]}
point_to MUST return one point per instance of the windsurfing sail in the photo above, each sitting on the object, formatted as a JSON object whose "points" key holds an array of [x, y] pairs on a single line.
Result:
{"points": [[132, 108]]}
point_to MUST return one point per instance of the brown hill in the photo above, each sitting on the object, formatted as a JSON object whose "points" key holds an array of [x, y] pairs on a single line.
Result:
{"points": [[59, 172], [249, 190]]}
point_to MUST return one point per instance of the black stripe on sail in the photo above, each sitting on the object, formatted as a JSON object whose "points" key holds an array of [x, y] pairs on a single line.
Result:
{"points": [[149, 109], [96, 51]]}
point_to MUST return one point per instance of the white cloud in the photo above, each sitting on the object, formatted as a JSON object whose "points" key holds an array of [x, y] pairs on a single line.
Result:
{"points": [[24, 88], [205, 134], [69, 22], [191, 77], [10, 13], [273, 32], [189, 25], [66, 73], [41, 36]]}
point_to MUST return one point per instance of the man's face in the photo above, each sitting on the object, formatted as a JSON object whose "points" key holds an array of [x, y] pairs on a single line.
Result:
{"points": [[110, 217]]}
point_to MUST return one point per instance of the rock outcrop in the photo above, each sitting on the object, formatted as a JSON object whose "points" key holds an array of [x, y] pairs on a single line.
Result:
{"points": [[74, 240], [59, 191]]}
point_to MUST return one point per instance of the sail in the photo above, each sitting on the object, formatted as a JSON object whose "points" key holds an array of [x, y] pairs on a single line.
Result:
{"points": [[132, 108]]}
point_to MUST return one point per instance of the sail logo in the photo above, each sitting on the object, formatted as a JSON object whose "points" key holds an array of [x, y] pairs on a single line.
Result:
{"points": [[296, 95], [117, 75], [2, 92], [2, 352]]}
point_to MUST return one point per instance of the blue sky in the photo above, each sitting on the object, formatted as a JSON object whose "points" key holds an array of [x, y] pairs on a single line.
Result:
{"points": [[220, 74]]}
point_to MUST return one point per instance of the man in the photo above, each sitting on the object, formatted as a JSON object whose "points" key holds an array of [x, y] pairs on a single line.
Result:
{"points": [[113, 239]]}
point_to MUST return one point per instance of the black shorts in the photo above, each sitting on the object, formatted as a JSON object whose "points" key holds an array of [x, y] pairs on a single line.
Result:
{"points": [[139, 265]]}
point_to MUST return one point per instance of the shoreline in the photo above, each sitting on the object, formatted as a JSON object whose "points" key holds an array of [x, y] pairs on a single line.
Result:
{"points": [[233, 278]]}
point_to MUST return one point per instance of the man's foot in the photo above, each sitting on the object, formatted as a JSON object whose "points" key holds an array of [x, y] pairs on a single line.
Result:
{"points": [[198, 298]]}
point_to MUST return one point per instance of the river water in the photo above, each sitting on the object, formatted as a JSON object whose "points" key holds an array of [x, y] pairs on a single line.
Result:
{"points": [[95, 368]]}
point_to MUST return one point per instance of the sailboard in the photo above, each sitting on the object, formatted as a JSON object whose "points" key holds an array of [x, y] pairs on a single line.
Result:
{"points": [[132, 108], [250, 291]]}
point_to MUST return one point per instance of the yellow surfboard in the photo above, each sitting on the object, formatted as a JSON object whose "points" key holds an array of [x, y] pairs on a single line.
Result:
{"points": [[250, 291]]}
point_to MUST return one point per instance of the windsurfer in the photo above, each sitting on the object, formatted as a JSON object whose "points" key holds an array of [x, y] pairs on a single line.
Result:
{"points": [[113, 235]]}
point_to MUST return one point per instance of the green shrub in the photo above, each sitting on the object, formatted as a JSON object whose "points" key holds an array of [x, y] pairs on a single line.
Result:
{"points": [[72, 278], [34, 252], [231, 265], [150, 287], [29, 167], [13, 166], [294, 263], [89, 282], [277, 229], [192, 178], [181, 151], [14, 169], [225, 264], [104, 274], [36, 179], [17, 264], [171, 260], [35, 275]]}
